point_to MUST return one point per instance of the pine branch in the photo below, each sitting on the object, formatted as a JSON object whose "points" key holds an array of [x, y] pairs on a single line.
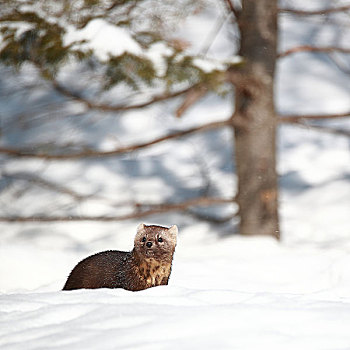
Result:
{"points": [[46, 74], [138, 213]]}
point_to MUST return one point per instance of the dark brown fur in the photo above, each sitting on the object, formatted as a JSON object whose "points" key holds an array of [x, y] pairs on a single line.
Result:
{"points": [[143, 267]]}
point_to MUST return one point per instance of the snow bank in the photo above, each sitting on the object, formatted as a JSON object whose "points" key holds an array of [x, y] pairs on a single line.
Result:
{"points": [[173, 318], [223, 293]]}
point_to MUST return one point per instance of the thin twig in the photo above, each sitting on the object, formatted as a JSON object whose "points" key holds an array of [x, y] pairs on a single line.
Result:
{"points": [[338, 64], [44, 183], [213, 34], [322, 128], [155, 209]]}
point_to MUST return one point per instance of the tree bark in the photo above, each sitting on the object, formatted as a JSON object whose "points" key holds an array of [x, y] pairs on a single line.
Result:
{"points": [[255, 120]]}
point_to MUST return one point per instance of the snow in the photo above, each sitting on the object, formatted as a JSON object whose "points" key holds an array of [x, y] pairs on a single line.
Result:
{"points": [[225, 291], [104, 39], [247, 293], [209, 64]]}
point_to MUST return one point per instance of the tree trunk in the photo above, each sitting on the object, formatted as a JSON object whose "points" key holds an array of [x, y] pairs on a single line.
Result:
{"points": [[255, 120]]}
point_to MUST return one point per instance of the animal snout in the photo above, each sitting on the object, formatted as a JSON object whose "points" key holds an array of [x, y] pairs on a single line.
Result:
{"points": [[149, 244]]}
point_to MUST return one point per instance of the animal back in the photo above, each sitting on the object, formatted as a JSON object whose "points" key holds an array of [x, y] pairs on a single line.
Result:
{"points": [[102, 270]]}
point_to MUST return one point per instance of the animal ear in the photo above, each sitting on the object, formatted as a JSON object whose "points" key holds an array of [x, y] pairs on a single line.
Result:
{"points": [[140, 231], [173, 231], [140, 228]]}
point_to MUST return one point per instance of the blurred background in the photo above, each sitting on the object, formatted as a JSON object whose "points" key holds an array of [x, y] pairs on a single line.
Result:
{"points": [[114, 113]]}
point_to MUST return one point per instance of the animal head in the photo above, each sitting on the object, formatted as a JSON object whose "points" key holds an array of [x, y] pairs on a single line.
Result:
{"points": [[155, 242]]}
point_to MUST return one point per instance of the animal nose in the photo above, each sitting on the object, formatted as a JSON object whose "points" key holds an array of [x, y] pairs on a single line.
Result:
{"points": [[149, 244]]}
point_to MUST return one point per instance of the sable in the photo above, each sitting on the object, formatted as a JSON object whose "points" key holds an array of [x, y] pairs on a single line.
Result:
{"points": [[147, 265]]}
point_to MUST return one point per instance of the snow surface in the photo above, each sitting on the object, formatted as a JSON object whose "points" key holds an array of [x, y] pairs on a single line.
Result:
{"points": [[225, 291]]}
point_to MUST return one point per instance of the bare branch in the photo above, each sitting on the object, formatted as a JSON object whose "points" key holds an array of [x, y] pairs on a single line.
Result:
{"points": [[29, 153], [191, 98], [122, 150], [317, 12], [154, 209], [118, 108], [301, 120], [297, 118], [307, 48]]}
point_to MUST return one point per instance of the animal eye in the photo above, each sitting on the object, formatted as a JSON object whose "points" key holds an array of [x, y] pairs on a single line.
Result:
{"points": [[160, 239], [144, 239]]}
